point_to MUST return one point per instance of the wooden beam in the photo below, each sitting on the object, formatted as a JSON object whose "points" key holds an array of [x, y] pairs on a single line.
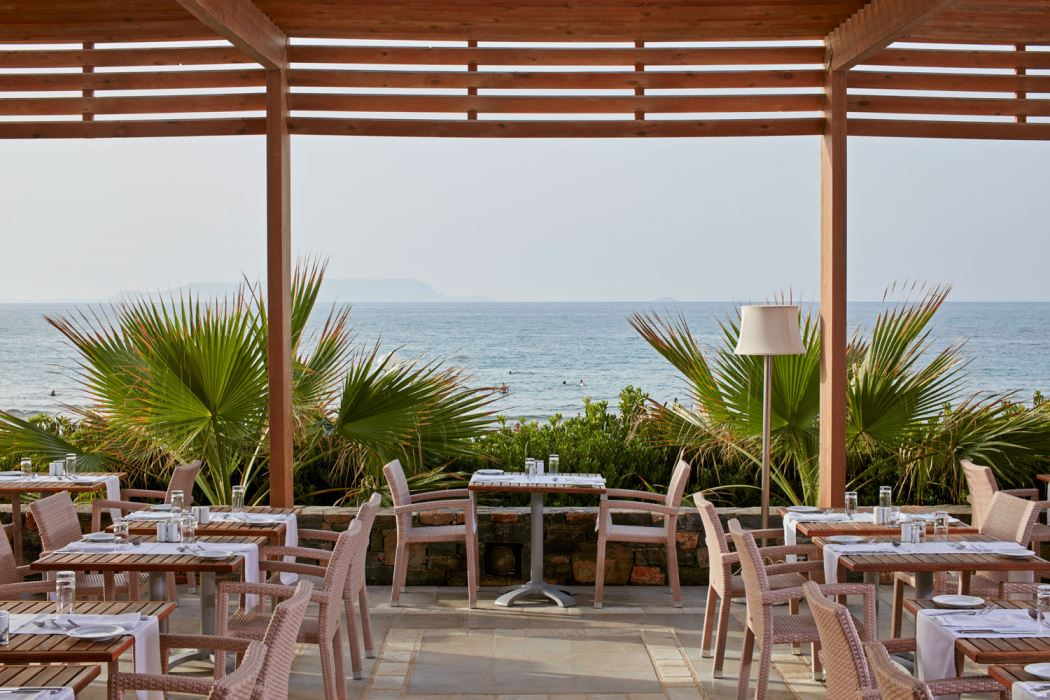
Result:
{"points": [[87, 93], [874, 27], [833, 295], [926, 129], [278, 287], [1021, 95], [245, 26], [138, 128]]}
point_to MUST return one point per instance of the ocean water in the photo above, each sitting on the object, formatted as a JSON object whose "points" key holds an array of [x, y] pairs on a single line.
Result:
{"points": [[551, 355]]}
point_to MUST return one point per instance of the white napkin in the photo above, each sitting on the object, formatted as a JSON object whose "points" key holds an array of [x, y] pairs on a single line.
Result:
{"points": [[249, 551], [291, 533], [832, 552], [148, 515], [37, 694], [95, 547], [1027, 691], [146, 633], [792, 519]]}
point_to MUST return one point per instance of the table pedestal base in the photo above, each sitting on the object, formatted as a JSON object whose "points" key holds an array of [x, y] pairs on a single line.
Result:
{"points": [[536, 590], [536, 587]]}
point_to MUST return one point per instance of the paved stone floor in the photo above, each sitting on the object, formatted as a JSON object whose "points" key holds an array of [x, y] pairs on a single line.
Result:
{"points": [[637, 648]]}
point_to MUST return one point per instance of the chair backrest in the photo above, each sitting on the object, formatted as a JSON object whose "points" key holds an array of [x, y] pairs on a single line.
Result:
{"points": [[56, 519], [183, 478], [399, 491], [281, 633], [892, 681], [1010, 519], [840, 646], [980, 482], [240, 685], [753, 571], [366, 515], [679, 480], [715, 539], [8, 565]]}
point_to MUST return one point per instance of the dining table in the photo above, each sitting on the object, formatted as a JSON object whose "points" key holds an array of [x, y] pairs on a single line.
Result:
{"points": [[74, 677], [14, 485], [537, 486], [835, 521], [1021, 684]]}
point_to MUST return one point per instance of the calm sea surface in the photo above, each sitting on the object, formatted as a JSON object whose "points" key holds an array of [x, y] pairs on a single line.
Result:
{"points": [[543, 351]]}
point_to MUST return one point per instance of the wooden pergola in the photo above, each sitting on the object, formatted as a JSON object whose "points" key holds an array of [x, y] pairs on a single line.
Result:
{"points": [[530, 69]]}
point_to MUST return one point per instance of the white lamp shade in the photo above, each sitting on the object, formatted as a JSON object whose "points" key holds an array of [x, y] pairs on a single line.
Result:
{"points": [[769, 330]]}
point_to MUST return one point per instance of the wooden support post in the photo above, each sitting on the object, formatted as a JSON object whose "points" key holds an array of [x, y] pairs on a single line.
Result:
{"points": [[833, 294], [86, 94], [1021, 94], [278, 286], [472, 115], [639, 91]]}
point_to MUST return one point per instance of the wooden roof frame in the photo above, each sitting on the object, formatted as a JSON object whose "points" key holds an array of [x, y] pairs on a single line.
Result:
{"points": [[862, 37]]}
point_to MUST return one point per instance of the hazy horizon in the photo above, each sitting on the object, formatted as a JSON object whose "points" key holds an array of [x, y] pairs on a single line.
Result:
{"points": [[515, 220]]}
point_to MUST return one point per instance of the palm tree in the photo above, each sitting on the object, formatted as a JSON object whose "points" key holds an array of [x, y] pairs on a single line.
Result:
{"points": [[179, 379], [909, 418]]}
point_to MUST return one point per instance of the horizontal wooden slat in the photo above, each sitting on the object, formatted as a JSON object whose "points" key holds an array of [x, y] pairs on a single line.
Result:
{"points": [[982, 106], [1006, 131], [555, 80], [163, 104], [148, 80], [123, 129], [965, 82], [554, 104], [555, 129], [165, 56], [949, 58], [556, 56]]}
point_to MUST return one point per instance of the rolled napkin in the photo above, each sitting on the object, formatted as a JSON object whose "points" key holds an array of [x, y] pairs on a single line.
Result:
{"points": [[37, 693], [1031, 690], [146, 633]]}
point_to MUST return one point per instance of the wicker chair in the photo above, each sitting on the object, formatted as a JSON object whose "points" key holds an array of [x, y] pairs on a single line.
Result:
{"points": [[239, 685], [56, 519], [13, 583], [406, 504], [1008, 519], [724, 586], [182, 479], [895, 684], [322, 630], [280, 636], [666, 506], [769, 628], [355, 591]]}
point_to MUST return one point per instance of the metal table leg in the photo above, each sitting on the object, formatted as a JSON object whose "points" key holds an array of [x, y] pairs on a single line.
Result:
{"points": [[923, 585], [158, 590], [208, 595], [536, 587]]}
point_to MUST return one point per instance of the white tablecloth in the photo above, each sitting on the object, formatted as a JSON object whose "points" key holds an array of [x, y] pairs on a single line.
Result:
{"points": [[146, 633], [1027, 691], [291, 532], [249, 551], [544, 480], [936, 632], [37, 694], [833, 552]]}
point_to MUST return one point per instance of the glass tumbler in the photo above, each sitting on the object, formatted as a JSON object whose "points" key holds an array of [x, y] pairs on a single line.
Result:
{"points": [[121, 532], [188, 528], [553, 463], [71, 464], [940, 524], [27, 468], [851, 504], [1042, 598], [237, 502], [178, 500], [885, 497], [65, 592], [5, 628]]}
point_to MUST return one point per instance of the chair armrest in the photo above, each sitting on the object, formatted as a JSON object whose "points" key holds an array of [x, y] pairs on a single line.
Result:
{"points": [[639, 506], [289, 567], [427, 506], [773, 533], [319, 535], [175, 684], [275, 590], [13, 591], [279, 550], [202, 641], [798, 567], [143, 493], [106, 505], [783, 595], [638, 495], [806, 550], [1030, 494], [897, 646], [440, 495], [966, 684]]}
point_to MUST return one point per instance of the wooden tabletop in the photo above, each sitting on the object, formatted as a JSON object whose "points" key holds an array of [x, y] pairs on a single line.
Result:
{"points": [[1044, 478], [43, 483], [962, 561], [130, 561], [1018, 650], [274, 532], [1008, 675], [58, 648], [514, 486], [48, 676], [854, 527]]}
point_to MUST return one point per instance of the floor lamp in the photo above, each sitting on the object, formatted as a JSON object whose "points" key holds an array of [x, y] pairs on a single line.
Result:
{"points": [[768, 330]]}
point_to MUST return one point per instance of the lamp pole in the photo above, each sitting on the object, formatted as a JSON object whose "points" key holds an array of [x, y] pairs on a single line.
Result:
{"points": [[767, 405]]}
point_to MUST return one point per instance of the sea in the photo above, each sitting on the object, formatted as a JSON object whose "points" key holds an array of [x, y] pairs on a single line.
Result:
{"points": [[550, 355]]}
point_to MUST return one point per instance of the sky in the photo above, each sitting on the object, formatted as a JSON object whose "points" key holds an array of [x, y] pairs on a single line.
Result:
{"points": [[511, 220]]}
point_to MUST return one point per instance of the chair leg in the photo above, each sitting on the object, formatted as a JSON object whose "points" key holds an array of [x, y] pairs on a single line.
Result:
{"points": [[171, 591], [796, 647], [400, 559], [745, 664], [723, 633], [337, 664], [472, 572], [366, 623], [599, 572], [817, 668], [765, 660], [898, 608], [709, 622], [672, 572], [327, 671], [353, 639]]}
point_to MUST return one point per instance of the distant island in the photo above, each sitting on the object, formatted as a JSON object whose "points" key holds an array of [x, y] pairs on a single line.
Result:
{"points": [[349, 291]]}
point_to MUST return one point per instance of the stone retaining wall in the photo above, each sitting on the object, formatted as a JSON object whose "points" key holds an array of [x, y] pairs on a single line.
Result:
{"points": [[570, 544]]}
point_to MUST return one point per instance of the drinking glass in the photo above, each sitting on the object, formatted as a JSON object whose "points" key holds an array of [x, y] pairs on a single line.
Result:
{"points": [[27, 467], [178, 500], [885, 497], [851, 504], [940, 524], [121, 532], [5, 628], [237, 503], [553, 462], [71, 464], [538, 467], [1043, 604], [530, 467], [65, 592], [895, 515], [188, 528]]}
